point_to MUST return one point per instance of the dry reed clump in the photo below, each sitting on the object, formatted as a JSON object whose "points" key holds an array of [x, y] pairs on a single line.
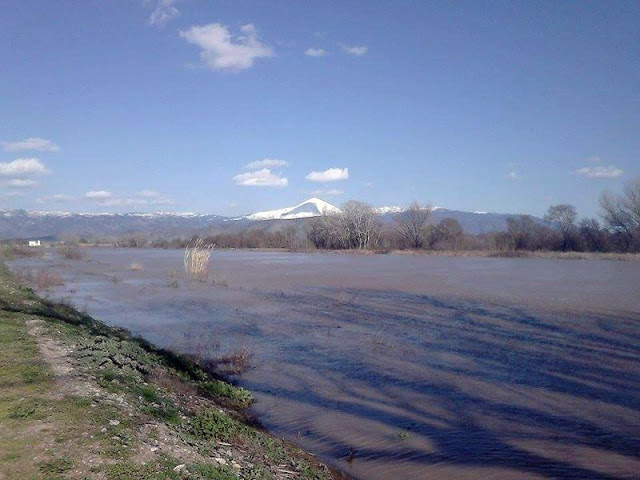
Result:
{"points": [[45, 279], [235, 362], [18, 251], [71, 252], [196, 259]]}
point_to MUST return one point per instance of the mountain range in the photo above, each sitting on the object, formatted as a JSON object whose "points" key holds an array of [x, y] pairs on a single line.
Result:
{"points": [[55, 224]]}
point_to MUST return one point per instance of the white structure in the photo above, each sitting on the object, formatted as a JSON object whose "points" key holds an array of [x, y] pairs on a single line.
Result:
{"points": [[34, 243]]}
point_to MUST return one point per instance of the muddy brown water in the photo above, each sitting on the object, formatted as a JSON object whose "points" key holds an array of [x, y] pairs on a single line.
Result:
{"points": [[421, 367]]}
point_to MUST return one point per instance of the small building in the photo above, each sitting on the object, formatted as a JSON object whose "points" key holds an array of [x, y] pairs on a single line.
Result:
{"points": [[34, 243]]}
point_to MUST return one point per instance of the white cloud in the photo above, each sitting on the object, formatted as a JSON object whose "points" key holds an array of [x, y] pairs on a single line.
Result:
{"points": [[355, 50], [163, 13], [315, 52], [266, 163], [61, 197], [332, 192], [105, 198], [512, 175], [34, 143], [330, 175], [260, 178], [137, 202], [98, 194], [23, 166], [600, 172], [58, 198], [8, 195], [222, 52], [21, 183], [148, 194]]}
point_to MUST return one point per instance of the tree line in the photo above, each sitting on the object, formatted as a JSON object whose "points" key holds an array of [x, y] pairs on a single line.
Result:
{"points": [[359, 227]]}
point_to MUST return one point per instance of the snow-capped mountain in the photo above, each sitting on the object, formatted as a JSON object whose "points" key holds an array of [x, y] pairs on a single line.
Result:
{"points": [[391, 209], [34, 224], [23, 223], [314, 207]]}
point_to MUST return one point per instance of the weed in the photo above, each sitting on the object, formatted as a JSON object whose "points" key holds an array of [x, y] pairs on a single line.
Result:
{"points": [[212, 423], [23, 409], [58, 465], [235, 396], [129, 471], [33, 374], [206, 471], [136, 267], [403, 436]]}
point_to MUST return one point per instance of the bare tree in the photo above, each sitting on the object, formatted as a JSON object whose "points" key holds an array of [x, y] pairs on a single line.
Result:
{"points": [[622, 213], [523, 233], [412, 224], [290, 234], [593, 237], [358, 225], [563, 216], [448, 233]]}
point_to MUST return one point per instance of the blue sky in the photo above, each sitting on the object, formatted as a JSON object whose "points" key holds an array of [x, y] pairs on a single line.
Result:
{"points": [[230, 107]]}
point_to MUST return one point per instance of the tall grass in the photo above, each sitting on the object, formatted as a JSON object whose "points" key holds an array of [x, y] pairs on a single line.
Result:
{"points": [[196, 259]]}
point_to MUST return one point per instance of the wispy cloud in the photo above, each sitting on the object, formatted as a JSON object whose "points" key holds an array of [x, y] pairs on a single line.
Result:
{"points": [[21, 183], [61, 197], [33, 143], [163, 12], [22, 166], [330, 175], [600, 172], [512, 175], [220, 51], [315, 52], [266, 163], [355, 50], [98, 194], [260, 178], [330, 193], [143, 198], [148, 194]]}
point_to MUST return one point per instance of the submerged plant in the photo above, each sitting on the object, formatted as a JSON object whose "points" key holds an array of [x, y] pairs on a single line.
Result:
{"points": [[196, 259]]}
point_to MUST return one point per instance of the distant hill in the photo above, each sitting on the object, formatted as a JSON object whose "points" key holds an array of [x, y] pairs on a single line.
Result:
{"points": [[33, 224]]}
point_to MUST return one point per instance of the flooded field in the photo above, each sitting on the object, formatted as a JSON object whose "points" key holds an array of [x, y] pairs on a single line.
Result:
{"points": [[408, 367]]}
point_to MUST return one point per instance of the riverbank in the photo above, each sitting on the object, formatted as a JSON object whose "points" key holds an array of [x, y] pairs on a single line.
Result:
{"points": [[83, 400], [523, 254], [14, 251]]}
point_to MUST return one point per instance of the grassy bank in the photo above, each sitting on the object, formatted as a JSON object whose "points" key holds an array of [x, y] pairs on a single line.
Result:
{"points": [[82, 400]]}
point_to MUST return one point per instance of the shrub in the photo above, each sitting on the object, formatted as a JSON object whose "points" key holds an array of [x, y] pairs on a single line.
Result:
{"points": [[196, 259], [45, 279], [71, 252], [212, 423]]}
